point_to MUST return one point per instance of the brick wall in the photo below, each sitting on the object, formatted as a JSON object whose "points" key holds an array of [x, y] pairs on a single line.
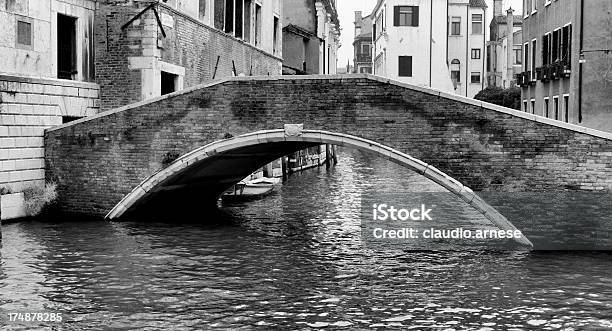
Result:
{"points": [[118, 84], [488, 148], [27, 107], [189, 44], [196, 46]]}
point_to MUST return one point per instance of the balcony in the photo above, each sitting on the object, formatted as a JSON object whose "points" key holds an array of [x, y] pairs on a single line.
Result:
{"points": [[363, 57], [564, 69], [553, 71], [524, 79], [520, 79], [543, 73]]}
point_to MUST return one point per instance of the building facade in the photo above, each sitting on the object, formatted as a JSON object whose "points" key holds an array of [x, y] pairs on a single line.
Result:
{"points": [[47, 78], [362, 44], [62, 60], [466, 45], [311, 37], [504, 48], [139, 56], [438, 44], [567, 65]]}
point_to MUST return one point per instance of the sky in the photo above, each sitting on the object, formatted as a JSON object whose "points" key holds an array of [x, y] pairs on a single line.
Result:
{"points": [[346, 13]]}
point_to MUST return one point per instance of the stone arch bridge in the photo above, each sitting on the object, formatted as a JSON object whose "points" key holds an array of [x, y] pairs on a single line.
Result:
{"points": [[114, 164]]}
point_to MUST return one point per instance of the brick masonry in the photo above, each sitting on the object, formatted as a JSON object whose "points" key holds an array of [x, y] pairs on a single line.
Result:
{"points": [[189, 44], [97, 161], [27, 107]]}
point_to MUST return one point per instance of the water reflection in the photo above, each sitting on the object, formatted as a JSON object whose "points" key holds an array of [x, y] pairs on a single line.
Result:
{"points": [[295, 260]]}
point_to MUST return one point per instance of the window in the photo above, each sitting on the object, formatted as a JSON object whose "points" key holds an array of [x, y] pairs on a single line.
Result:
{"points": [[219, 14], [566, 107], [455, 68], [229, 16], [379, 68], [475, 53], [533, 59], [525, 106], [365, 48], [66, 47], [247, 20], [476, 23], [405, 66], [379, 27], [475, 78], [406, 16], [533, 106], [526, 57], [455, 26], [548, 2], [546, 107], [534, 6], [556, 107], [365, 70], [546, 49], [556, 43], [456, 77], [238, 18], [526, 6], [202, 9], [168, 82], [275, 35], [68, 119], [257, 25], [518, 55], [566, 43], [24, 33]]}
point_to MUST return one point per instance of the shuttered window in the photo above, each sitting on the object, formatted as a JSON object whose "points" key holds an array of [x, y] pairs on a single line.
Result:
{"points": [[406, 16], [405, 66], [24, 33]]}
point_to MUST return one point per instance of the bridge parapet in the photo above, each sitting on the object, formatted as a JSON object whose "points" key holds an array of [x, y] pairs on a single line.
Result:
{"points": [[98, 160]]}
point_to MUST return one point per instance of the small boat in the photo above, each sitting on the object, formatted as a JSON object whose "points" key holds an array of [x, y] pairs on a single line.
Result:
{"points": [[253, 189]]}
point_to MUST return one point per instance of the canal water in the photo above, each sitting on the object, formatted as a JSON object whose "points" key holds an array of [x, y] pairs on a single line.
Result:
{"points": [[296, 259]]}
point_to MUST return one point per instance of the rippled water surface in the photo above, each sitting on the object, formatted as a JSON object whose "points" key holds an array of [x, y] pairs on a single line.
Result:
{"points": [[293, 260]]}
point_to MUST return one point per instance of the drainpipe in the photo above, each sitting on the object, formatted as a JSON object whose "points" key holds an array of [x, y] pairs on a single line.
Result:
{"points": [[483, 53], [467, 50], [580, 65], [430, 37]]}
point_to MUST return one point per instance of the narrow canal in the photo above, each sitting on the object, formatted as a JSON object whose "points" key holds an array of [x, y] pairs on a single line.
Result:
{"points": [[295, 259]]}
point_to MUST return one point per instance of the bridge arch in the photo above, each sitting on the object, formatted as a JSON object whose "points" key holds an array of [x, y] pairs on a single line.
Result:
{"points": [[292, 141]]}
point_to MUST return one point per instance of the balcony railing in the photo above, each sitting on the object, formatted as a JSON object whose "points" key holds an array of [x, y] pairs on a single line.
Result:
{"points": [[364, 57], [543, 73], [524, 79]]}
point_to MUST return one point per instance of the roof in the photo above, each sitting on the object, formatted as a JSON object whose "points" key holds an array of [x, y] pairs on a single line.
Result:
{"points": [[292, 28], [503, 19], [478, 3]]}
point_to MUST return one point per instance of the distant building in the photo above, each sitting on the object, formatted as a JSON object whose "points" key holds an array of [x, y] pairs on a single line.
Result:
{"points": [[566, 61], [311, 37], [439, 44], [362, 45], [504, 48], [466, 45]]}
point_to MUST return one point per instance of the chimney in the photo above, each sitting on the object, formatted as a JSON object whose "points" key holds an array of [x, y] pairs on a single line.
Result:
{"points": [[510, 44], [497, 7], [358, 18]]}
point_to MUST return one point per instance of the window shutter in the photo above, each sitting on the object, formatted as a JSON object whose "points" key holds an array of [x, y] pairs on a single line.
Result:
{"points": [[396, 16], [415, 16], [373, 31]]}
